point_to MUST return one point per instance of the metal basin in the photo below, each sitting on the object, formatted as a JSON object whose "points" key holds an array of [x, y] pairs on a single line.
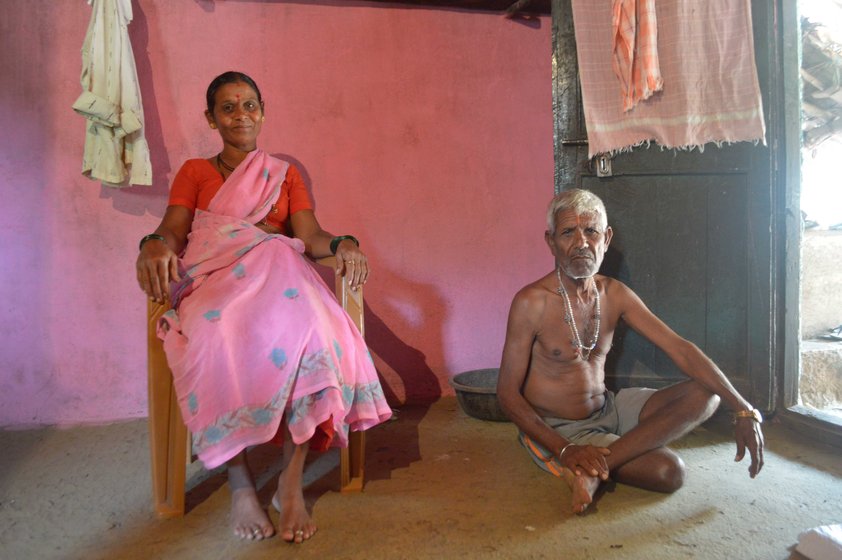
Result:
{"points": [[476, 393]]}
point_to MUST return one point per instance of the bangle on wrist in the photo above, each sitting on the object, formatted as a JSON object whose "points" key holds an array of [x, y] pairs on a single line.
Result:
{"points": [[754, 414], [146, 238], [334, 243], [563, 449]]}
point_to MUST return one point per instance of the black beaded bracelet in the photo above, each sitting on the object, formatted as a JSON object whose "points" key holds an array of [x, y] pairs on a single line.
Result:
{"points": [[151, 236], [334, 243]]}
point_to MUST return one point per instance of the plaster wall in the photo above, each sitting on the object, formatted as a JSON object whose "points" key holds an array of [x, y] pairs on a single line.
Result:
{"points": [[426, 133], [821, 282]]}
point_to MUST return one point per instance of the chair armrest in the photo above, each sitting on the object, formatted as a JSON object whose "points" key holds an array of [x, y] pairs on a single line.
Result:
{"points": [[350, 300]]}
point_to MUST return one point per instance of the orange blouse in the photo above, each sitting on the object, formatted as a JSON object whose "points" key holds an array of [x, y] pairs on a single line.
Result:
{"points": [[198, 181]]}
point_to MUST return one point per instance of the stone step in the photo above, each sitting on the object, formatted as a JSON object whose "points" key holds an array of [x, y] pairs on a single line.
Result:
{"points": [[821, 375]]}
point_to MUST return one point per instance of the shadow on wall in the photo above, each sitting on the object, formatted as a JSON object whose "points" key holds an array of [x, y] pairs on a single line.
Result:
{"points": [[397, 362], [141, 200], [404, 374], [420, 383]]}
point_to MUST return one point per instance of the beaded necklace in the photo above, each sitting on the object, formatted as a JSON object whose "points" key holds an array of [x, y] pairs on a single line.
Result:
{"points": [[584, 351]]}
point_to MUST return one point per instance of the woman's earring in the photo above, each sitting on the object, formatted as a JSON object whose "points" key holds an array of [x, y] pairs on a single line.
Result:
{"points": [[263, 118], [212, 125]]}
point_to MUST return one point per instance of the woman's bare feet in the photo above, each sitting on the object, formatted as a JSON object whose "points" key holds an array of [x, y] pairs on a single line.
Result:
{"points": [[583, 489], [248, 519], [295, 524]]}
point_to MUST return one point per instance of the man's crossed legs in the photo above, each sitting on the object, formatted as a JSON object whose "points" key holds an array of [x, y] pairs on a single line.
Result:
{"points": [[634, 426]]}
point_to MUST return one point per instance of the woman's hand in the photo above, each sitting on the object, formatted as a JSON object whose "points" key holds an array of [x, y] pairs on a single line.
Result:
{"points": [[157, 263], [351, 262], [157, 266]]}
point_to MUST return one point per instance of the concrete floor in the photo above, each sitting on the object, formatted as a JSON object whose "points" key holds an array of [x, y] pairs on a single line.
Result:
{"points": [[440, 485]]}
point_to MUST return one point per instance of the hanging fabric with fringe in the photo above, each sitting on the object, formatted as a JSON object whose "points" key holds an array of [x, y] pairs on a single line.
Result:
{"points": [[710, 87]]}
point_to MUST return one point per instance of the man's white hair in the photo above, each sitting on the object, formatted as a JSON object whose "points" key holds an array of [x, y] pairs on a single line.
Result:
{"points": [[579, 201]]}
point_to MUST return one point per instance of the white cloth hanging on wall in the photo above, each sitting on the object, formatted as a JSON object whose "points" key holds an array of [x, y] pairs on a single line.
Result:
{"points": [[116, 151]]}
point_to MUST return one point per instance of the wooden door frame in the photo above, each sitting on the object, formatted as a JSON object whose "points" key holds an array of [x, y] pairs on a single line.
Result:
{"points": [[780, 28], [816, 424], [570, 150]]}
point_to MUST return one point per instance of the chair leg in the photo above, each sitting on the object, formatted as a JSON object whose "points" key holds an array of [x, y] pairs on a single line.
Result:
{"points": [[158, 442], [351, 458], [352, 464], [176, 461], [168, 444], [167, 433]]}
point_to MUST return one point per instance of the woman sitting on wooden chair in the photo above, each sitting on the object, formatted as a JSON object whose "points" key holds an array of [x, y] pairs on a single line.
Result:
{"points": [[259, 348]]}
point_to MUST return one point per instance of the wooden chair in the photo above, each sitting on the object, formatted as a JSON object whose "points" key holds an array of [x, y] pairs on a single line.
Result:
{"points": [[168, 438]]}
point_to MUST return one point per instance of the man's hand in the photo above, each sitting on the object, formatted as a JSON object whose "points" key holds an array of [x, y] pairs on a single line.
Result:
{"points": [[586, 460], [747, 433]]}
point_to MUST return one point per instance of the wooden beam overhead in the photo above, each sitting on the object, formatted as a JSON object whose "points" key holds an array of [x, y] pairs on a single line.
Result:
{"points": [[526, 6]]}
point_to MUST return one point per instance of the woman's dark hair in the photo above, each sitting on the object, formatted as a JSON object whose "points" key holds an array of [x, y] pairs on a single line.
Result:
{"points": [[229, 78]]}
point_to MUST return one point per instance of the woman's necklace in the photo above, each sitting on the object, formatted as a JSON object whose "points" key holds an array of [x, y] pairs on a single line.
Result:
{"points": [[584, 351], [222, 165]]}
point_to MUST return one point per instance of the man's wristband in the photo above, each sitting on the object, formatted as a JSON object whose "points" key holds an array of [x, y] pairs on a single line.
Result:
{"points": [[754, 414], [146, 238], [334, 243]]}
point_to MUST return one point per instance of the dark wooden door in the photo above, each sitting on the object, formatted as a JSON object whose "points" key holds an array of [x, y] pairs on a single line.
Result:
{"points": [[694, 233]]}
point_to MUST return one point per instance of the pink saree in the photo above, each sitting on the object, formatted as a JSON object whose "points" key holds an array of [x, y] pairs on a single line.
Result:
{"points": [[255, 334]]}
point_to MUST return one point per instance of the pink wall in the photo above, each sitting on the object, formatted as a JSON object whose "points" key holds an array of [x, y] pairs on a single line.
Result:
{"points": [[426, 133]]}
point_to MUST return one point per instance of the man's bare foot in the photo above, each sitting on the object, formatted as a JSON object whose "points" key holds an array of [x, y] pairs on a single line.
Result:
{"points": [[583, 489], [247, 517], [295, 524]]}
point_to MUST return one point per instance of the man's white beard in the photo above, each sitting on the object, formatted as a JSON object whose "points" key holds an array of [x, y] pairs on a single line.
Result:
{"points": [[581, 269]]}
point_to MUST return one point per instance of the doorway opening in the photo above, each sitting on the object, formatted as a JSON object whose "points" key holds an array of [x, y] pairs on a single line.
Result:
{"points": [[820, 380]]}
